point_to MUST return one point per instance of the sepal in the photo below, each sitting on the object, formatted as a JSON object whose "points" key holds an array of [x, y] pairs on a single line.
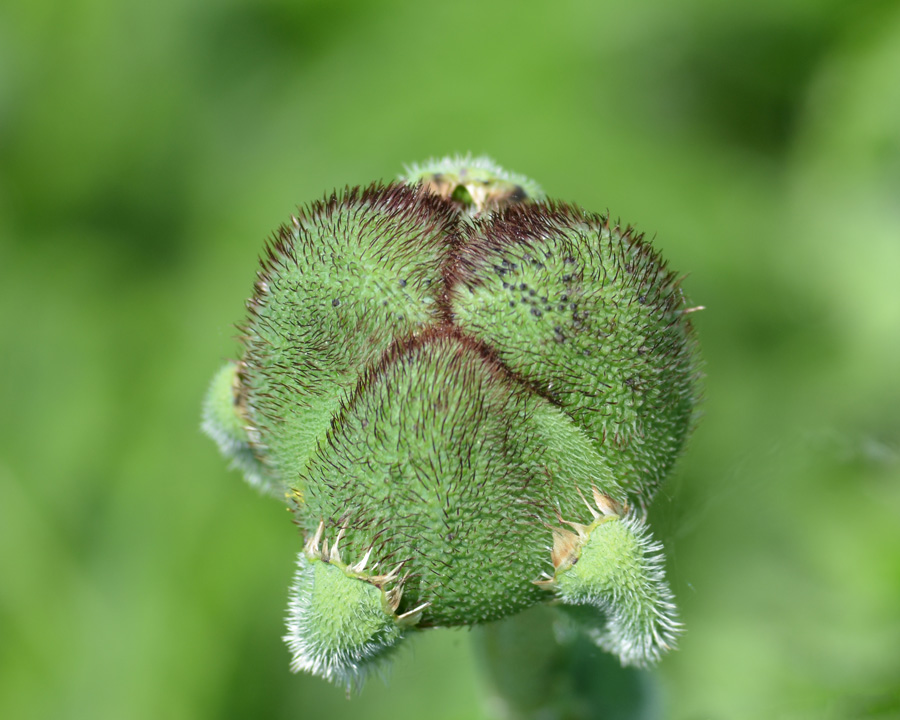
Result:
{"points": [[342, 622], [615, 566], [225, 422]]}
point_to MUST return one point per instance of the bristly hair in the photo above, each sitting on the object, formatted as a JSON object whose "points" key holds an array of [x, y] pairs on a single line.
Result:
{"points": [[641, 619], [345, 667], [527, 226], [399, 202]]}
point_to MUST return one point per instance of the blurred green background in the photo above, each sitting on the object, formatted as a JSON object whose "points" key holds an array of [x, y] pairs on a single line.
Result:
{"points": [[148, 149]]}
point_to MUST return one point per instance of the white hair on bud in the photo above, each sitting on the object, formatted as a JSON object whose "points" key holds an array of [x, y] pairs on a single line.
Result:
{"points": [[315, 644], [641, 617]]}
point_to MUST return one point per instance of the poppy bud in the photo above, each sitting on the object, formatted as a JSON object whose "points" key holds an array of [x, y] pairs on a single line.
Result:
{"points": [[468, 396]]}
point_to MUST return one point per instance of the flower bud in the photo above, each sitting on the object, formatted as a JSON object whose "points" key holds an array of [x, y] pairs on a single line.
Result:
{"points": [[468, 397]]}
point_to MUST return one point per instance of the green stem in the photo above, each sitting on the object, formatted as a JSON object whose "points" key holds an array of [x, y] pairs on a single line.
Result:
{"points": [[538, 667]]}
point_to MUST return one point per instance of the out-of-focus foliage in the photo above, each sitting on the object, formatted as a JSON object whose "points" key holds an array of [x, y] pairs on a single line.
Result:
{"points": [[146, 151]]}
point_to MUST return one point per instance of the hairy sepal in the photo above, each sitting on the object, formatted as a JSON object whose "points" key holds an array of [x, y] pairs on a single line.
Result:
{"points": [[225, 423], [585, 312], [616, 567], [340, 626]]}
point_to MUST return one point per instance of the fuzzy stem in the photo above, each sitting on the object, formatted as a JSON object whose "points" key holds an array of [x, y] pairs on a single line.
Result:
{"points": [[537, 667]]}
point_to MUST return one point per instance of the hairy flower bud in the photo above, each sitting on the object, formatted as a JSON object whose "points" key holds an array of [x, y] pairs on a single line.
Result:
{"points": [[468, 396]]}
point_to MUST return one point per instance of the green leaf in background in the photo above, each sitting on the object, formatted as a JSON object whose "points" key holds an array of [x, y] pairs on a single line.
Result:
{"points": [[146, 149]]}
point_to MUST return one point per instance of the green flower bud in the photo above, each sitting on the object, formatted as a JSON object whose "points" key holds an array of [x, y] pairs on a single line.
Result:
{"points": [[437, 375]]}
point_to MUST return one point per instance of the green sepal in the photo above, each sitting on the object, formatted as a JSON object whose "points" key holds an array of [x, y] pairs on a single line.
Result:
{"points": [[584, 312], [616, 569], [225, 423], [337, 287], [341, 621]]}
